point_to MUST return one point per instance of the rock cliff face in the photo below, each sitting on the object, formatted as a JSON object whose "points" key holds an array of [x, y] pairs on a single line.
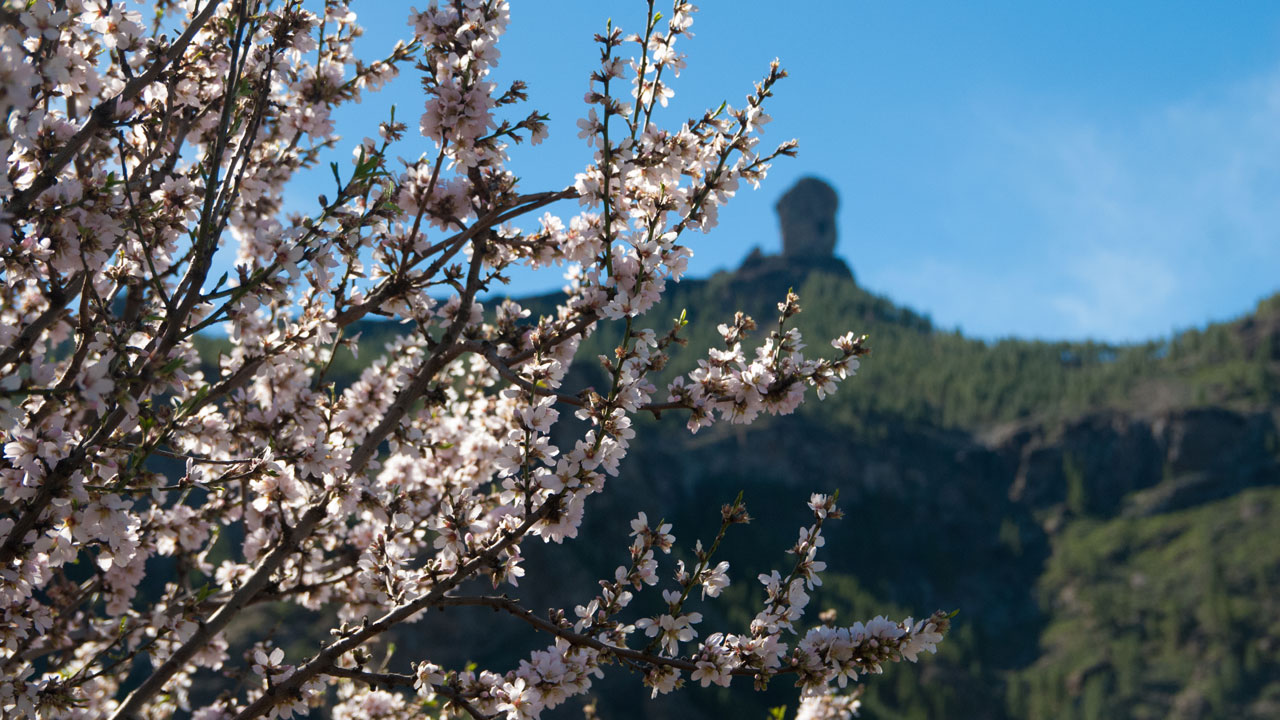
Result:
{"points": [[1110, 463]]}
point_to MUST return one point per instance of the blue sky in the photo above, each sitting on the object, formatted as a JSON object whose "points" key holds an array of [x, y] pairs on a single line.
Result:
{"points": [[1069, 170]]}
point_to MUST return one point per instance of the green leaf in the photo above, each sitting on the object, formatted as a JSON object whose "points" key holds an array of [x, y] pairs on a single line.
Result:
{"points": [[201, 393]]}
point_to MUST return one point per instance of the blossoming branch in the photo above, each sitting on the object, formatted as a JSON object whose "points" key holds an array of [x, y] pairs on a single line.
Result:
{"points": [[136, 148]]}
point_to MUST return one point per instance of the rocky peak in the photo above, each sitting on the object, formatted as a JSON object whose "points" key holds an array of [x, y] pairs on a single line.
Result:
{"points": [[807, 217], [807, 214]]}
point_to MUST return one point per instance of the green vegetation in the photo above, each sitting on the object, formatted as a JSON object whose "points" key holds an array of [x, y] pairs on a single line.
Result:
{"points": [[1176, 615], [918, 373]]}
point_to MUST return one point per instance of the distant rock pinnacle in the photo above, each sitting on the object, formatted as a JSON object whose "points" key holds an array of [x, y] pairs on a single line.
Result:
{"points": [[807, 213]]}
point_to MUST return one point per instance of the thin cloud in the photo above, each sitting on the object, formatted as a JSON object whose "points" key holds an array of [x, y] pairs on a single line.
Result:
{"points": [[1140, 220]]}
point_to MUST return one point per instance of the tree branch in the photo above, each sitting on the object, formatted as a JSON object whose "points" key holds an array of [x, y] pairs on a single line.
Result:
{"points": [[104, 113]]}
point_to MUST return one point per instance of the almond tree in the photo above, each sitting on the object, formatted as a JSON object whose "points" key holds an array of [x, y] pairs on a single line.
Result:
{"points": [[135, 148]]}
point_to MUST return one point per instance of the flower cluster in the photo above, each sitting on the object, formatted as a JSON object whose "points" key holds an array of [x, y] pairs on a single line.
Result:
{"points": [[830, 707], [152, 492]]}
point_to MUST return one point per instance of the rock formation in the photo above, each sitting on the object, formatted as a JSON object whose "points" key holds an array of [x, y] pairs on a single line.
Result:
{"points": [[807, 214]]}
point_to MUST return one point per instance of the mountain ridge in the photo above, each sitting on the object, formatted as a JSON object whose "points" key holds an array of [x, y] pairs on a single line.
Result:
{"points": [[1041, 488]]}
